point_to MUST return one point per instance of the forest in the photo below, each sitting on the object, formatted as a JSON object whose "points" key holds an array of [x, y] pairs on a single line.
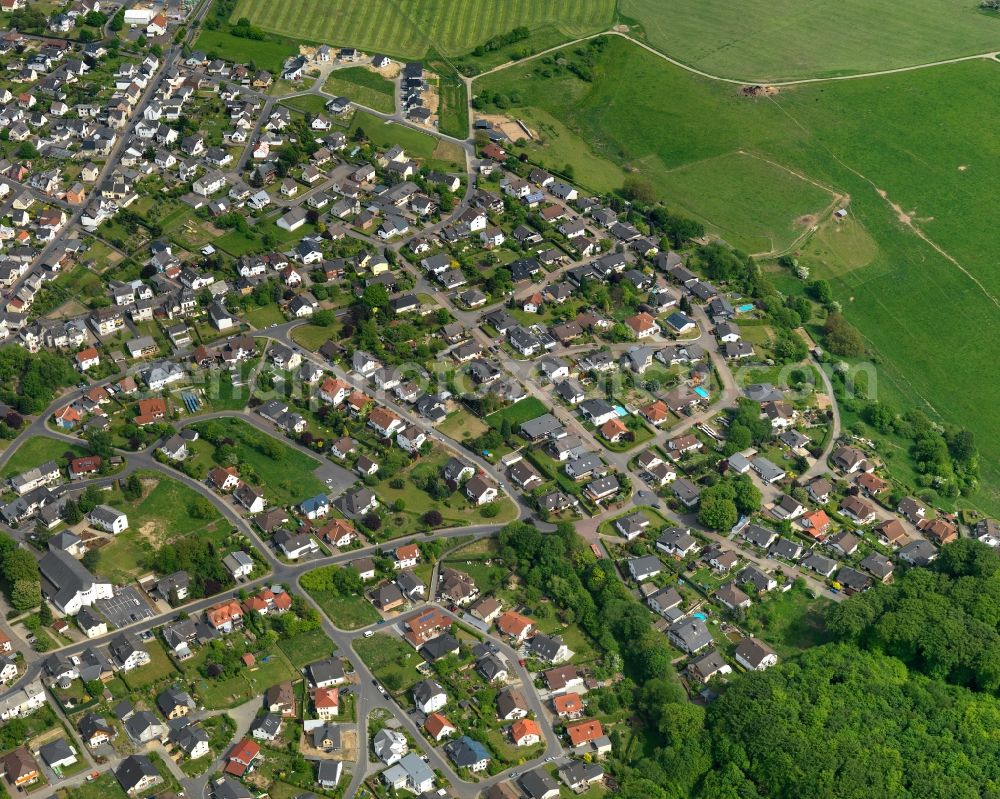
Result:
{"points": [[902, 706]]}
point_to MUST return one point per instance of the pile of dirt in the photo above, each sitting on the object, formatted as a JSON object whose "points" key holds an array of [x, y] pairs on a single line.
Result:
{"points": [[758, 91]]}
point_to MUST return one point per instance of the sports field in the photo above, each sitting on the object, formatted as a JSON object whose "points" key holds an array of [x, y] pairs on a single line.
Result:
{"points": [[923, 138], [761, 40], [409, 28]]}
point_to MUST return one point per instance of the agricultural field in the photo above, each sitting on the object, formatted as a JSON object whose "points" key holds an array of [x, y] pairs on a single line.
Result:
{"points": [[408, 28], [363, 86], [910, 270], [769, 40]]}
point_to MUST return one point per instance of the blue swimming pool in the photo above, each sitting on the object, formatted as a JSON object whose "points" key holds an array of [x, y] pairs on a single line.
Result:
{"points": [[701, 392], [745, 308], [620, 410], [701, 616]]}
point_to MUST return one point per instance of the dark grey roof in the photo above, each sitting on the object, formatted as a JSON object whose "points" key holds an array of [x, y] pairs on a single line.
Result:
{"points": [[268, 724], [537, 783], [325, 670], [54, 751], [440, 647], [545, 646], [133, 769], [425, 689], [65, 576]]}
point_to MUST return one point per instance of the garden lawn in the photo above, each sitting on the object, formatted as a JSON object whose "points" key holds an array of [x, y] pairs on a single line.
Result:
{"points": [[433, 151], [157, 670], [363, 86], [791, 621], [269, 54], [461, 424], [314, 104], [393, 661], [312, 337], [265, 316], [104, 787], [346, 612], [287, 479], [306, 648], [408, 28], [521, 411], [36, 451], [246, 685]]}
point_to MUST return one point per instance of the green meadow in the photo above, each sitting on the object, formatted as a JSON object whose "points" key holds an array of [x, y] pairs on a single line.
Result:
{"points": [[767, 40], [914, 153]]}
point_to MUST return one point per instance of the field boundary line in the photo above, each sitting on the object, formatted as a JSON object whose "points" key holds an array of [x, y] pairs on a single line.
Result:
{"points": [[991, 54]]}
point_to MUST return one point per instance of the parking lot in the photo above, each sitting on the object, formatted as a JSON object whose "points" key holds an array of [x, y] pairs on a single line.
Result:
{"points": [[124, 608]]}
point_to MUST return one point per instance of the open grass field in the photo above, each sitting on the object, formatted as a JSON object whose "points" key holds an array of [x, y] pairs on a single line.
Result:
{"points": [[156, 671], [312, 337], [36, 451], [696, 163], [346, 612], [269, 54], [265, 316], [758, 199], [784, 39], [461, 424], [306, 648], [161, 515], [435, 153], [790, 622], [286, 479], [314, 104], [408, 28], [521, 411], [391, 659], [910, 152], [363, 86]]}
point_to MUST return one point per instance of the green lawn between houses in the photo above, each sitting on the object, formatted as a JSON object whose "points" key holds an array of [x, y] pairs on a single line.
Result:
{"points": [[269, 54], [363, 86], [306, 648], [158, 517], [312, 337], [521, 411], [285, 480], [36, 451], [434, 153], [393, 661], [910, 136], [223, 693], [346, 612]]}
